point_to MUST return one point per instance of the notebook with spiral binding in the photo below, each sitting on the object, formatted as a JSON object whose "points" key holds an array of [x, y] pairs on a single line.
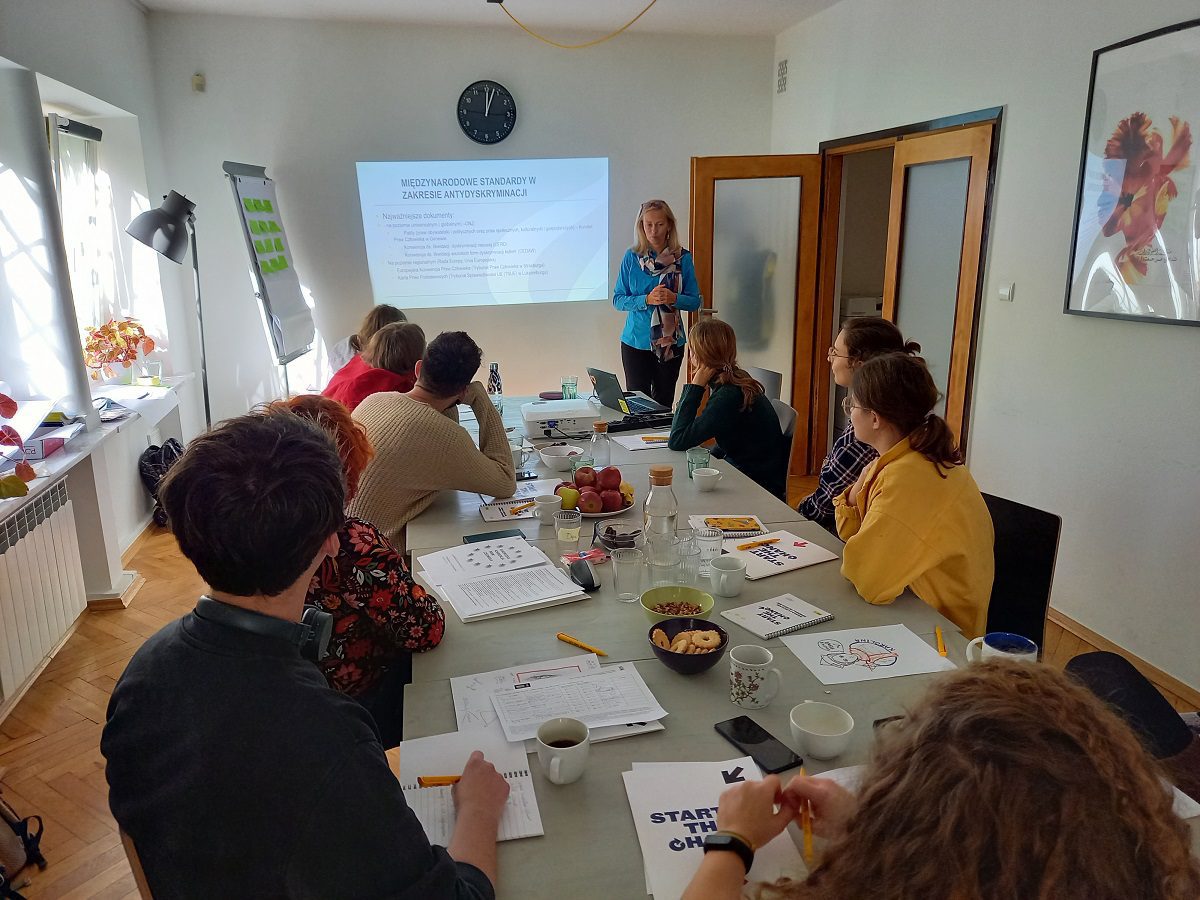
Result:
{"points": [[446, 754], [777, 616], [731, 526]]}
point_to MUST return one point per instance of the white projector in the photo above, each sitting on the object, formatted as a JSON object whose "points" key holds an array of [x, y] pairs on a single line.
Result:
{"points": [[558, 418]]}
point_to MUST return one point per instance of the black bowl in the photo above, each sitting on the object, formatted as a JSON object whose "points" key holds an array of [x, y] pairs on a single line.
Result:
{"points": [[688, 663]]}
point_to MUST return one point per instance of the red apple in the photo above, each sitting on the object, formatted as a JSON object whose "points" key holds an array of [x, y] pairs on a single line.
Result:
{"points": [[612, 500], [584, 476], [590, 502], [609, 478]]}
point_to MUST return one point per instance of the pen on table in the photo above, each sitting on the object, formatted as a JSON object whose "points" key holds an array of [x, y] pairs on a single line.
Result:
{"points": [[937, 629], [806, 824], [655, 438], [575, 642], [438, 780], [753, 544], [514, 510]]}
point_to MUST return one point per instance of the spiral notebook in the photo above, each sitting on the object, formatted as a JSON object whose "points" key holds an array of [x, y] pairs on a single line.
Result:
{"points": [[777, 616], [731, 526]]}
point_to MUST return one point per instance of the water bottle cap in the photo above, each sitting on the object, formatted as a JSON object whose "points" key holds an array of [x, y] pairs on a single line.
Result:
{"points": [[661, 474], [599, 427]]}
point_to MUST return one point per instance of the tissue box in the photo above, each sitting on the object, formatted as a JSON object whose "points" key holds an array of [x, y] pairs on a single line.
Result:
{"points": [[50, 439]]}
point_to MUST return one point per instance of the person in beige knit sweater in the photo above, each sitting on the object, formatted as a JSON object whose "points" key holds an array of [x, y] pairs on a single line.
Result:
{"points": [[421, 449]]}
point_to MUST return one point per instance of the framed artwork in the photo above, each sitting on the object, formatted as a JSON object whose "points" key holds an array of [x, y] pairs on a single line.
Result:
{"points": [[1135, 249]]}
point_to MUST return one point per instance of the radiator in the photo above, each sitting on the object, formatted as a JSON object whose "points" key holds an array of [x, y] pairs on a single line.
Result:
{"points": [[41, 584]]}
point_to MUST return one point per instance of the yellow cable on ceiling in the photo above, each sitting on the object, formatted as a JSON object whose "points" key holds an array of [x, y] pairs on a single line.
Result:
{"points": [[553, 43]]}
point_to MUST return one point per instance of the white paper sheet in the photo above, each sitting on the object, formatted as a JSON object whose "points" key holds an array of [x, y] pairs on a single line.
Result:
{"points": [[527, 490], [510, 592], [865, 654], [481, 558], [614, 696], [635, 442]]}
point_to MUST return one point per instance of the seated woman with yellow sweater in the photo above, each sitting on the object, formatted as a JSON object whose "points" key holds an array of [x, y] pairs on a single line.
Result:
{"points": [[915, 517]]}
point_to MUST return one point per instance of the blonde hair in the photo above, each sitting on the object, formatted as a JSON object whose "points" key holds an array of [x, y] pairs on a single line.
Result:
{"points": [[641, 246], [1008, 780], [395, 347], [715, 345]]}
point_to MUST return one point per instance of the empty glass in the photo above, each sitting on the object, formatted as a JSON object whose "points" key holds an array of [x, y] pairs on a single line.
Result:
{"points": [[689, 565], [698, 458], [687, 536], [628, 565], [578, 462], [662, 557], [567, 525], [709, 542]]}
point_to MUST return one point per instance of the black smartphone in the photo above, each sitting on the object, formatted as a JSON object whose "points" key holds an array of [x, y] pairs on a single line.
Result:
{"points": [[527, 475], [771, 754]]}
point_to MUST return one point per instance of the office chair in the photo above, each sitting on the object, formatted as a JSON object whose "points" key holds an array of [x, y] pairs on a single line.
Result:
{"points": [[772, 382], [1026, 547]]}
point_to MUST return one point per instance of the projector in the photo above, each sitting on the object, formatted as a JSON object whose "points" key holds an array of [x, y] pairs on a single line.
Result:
{"points": [[557, 418]]}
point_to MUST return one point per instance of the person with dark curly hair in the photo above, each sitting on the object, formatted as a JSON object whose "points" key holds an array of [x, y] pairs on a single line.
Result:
{"points": [[420, 449]]}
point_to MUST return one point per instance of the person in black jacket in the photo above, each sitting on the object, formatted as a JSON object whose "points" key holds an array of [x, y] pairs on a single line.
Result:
{"points": [[233, 766]]}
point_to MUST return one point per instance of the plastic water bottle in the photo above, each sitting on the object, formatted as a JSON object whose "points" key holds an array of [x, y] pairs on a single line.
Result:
{"points": [[601, 448], [495, 387]]}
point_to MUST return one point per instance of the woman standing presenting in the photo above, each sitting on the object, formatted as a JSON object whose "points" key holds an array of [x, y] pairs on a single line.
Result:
{"points": [[656, 283]]}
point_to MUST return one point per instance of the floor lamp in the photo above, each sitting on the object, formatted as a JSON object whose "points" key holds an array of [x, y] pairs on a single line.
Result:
{"points": [[168, 230]]}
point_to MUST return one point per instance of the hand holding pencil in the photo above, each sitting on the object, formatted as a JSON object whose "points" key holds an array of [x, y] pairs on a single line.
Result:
{"points": [[831, 804]]}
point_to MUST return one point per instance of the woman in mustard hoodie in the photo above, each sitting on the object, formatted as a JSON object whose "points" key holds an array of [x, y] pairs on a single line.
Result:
{"points": [[915, 517]]}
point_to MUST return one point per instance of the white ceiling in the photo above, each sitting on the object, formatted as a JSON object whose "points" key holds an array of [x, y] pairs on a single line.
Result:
{"points": [[553, 18]]}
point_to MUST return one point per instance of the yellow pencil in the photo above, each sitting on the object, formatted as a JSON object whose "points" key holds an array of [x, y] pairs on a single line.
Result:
{"points": [[515, 510], [806, 824], [937, 629], [575, 642], [753, 544], [438, 780], [655, 438]]}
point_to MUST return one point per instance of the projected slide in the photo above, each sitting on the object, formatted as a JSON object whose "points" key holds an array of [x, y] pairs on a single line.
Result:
{"points": [[486, 232]]}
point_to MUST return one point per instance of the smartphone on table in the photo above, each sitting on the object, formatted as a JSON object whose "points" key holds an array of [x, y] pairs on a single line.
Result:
{"points": [[771, 754]]}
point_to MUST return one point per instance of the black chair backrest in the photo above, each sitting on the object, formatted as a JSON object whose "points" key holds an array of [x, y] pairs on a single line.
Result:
{"points": [[1025, 550]]}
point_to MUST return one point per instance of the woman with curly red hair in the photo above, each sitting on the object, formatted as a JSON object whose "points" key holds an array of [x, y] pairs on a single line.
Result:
{"points": [[381, 615]]}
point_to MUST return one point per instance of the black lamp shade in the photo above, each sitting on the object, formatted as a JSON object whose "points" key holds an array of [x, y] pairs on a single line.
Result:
{"points": [[165, 229]]}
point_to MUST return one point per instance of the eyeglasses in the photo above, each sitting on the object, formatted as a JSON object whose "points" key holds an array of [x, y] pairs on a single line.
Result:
{"points": [[847, 405], [832, 353]]}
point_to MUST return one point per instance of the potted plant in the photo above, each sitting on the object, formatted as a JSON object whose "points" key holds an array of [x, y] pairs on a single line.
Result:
{"points": [[116, 341], [15, 484]]}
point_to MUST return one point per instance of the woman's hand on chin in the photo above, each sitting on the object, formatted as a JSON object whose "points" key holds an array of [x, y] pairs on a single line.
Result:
{"points": [[702, 375]]}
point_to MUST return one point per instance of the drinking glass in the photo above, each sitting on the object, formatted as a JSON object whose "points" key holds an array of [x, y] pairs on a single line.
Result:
{"points": [[578, 462], [689, 565], [710, 541], [662, 554], [628, 565], [567, 525], [698, 458], [687, 536], [570, 387]]}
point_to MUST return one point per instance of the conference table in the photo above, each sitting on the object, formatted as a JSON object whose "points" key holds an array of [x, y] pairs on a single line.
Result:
{"points": [[590, 847]]}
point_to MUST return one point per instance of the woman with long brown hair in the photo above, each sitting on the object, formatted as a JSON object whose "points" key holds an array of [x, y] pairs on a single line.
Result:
{"points": [[343, 351], [387, 363], [1007, 781], [737, 414], [915, 517]]}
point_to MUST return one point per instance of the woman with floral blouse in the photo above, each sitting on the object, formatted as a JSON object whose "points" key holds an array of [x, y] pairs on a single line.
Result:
{"points": [[380, 615]]}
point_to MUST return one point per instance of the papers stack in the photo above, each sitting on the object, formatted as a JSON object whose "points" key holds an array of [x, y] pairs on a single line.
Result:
{"points": [[497, 578], [641, 441]]}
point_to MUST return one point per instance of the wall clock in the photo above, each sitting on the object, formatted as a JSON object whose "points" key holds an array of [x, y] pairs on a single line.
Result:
{"points": [[487, 112]]}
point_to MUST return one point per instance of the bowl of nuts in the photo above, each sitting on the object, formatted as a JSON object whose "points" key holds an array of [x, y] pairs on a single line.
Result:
{"points": [[673, 600], [688, 645]]}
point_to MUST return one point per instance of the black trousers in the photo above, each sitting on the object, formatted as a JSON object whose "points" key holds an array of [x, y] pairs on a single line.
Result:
{"points": [[644, 372], [384, 700], [1114, 680]]}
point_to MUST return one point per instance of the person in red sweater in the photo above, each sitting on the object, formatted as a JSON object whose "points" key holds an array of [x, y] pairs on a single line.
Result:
{"points": [[385, 364]]}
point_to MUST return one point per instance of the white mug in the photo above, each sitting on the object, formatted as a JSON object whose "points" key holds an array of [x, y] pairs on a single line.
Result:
{"points": [[726, 575], [562, 749], [753, 682], [1002, 645], [545, 506], [821, 730], [705, 478]]}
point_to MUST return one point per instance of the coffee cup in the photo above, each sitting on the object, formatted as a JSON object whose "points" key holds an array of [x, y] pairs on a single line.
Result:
{"points": [[562, 749], [518, 455], [753, 681], [706, 479], [1002, 645], [820, 730], [726, 575], [545, 506]]}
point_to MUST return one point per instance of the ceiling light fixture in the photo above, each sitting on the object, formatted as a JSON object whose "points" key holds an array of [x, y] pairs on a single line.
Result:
{"points": [[554, 43]]}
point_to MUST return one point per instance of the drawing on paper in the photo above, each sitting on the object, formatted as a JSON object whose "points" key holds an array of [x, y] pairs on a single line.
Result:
{"points": [[867, 654]]}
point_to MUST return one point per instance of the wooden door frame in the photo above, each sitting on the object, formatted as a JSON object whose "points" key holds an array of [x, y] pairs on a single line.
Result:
{"points": [[706, 171]]}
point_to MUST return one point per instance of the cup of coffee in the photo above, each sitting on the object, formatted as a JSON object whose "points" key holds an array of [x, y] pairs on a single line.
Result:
{"points": [[562, 749], [753, 681], [706, 479], [545, 506], [726, 575], [821, 730], [1002, 645]]}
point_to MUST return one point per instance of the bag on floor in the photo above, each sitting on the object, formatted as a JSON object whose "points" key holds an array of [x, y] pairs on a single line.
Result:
{"points": [[153, 465], [19, 847]]}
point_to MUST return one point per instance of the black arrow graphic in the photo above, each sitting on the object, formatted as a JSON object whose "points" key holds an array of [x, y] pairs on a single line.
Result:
{"points": [[734, 776]]}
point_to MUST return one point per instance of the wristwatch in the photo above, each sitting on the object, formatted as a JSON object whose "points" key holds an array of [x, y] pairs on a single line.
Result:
{"points": [[727, 840]]}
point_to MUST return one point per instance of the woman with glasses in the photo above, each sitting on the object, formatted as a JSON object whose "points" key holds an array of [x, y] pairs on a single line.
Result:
{"points": [[915, 517], [860, 339], [656, 284]]}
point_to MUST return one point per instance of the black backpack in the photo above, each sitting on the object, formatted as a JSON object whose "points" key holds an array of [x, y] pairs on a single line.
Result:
{"points": [[19, 848], [152, 467]]}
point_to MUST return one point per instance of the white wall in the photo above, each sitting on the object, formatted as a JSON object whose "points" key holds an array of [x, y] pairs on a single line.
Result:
{"points": [[1089, 418], [307, 100]]}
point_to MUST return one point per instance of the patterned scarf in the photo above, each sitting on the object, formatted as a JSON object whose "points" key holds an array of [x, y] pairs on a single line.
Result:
{"points": [[664, 320]]}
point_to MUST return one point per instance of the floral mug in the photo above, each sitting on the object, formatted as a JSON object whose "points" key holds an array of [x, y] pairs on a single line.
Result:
{"points": [[753, 683]]}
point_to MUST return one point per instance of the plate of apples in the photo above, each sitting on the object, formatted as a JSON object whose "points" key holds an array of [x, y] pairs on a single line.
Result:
{"points": [[596, 493]]}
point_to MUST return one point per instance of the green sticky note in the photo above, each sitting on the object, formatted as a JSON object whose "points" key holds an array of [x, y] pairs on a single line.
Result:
{"points": [[283, 263], [258, 247], [267, 205], [255, 226], [279, 244], [274, 226], [248, 203], [265, 265]]}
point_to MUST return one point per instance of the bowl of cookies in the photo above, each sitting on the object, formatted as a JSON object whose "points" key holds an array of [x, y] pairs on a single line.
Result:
{"points": [[673, 600], [688, 645]]}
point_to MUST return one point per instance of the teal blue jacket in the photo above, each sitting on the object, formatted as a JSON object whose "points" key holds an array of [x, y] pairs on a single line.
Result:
{"points": [[630, 297]]}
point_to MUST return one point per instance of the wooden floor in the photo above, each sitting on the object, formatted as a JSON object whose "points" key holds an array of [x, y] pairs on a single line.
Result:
{"points": [[50, 761]]}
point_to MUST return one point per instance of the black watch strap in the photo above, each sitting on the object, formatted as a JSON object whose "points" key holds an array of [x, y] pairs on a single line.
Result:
{"points": [[724, 840]]}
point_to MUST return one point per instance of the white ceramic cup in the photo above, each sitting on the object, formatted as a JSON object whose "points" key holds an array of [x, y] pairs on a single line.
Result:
{"points": [[821, 730], [562, 749], [706, 479], [726, 575], [1002, 645], [545, 506], [753, 681]]}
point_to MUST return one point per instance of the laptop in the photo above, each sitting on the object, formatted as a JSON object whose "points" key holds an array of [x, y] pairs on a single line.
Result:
{"points": [[608, 389]]}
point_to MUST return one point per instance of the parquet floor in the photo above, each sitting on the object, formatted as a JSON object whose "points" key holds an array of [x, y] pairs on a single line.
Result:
{"points": [[50, 761]]}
